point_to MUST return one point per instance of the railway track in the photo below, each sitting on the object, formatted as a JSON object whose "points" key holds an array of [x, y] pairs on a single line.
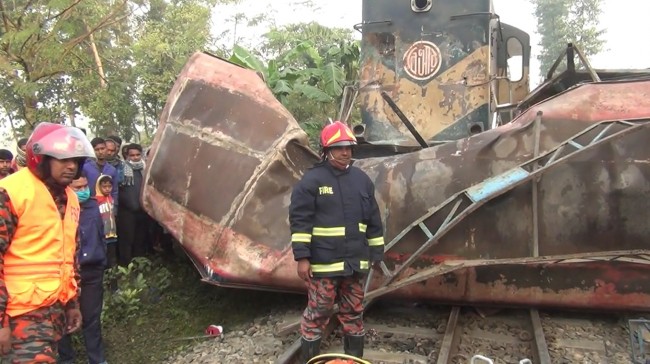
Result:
{"points": [[420, 335]]}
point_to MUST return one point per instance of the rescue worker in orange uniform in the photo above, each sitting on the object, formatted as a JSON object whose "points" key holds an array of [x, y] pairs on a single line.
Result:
{"points": [[336, 235], [39, 216]]}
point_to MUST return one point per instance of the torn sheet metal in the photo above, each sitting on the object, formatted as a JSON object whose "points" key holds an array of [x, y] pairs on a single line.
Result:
{"points": [[227, 154]]}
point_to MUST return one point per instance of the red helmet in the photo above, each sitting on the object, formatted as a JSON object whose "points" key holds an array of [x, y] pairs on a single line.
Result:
{"points": [[337, 134], [57, 141]]}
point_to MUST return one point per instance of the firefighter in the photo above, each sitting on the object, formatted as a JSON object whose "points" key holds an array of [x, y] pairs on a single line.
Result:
{"points": [[39, 215], [336, 236]]}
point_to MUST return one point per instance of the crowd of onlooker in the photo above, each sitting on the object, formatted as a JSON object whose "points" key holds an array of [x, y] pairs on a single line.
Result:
{"points": [[114, 180], [113, 226]]}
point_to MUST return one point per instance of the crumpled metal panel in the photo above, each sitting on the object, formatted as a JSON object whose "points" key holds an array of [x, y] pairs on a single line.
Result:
{"points": [[223, 161], [227, 154]]}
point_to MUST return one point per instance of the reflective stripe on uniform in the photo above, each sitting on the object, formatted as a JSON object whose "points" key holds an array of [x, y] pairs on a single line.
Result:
{"points": [[326, 268], [332, 231], [336, 267], [362, 227], [300, 238], [376, 241]]}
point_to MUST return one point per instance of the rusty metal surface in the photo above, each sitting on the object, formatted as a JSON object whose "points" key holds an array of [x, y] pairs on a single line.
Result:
{"points": [[445, 68], [227, 154], [219, 183]]}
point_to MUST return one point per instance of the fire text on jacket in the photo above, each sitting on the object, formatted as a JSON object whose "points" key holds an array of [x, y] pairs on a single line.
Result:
{"points": [[325, 190]]}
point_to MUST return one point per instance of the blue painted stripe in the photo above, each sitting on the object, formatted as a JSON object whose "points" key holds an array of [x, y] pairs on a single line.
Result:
{"points": [[491, 185]]}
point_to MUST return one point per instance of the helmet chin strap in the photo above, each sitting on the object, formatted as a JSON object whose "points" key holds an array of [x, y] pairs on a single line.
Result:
{"points": [[338, 162]]}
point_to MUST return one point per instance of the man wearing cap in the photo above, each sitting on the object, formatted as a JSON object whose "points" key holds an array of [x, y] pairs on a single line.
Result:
{"points": [[39, 274]]}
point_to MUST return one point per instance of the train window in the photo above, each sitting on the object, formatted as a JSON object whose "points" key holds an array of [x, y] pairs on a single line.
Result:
{"points": [[515, 52], [420, 6]]}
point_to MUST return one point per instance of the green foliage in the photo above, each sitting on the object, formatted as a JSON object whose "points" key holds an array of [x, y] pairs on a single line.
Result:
{"points": [[185, 309], [115, 62], [567, 21], [43, 41], [282, 40], [333, 79], [139, 284], [246, 59], [167, 39], [306, 67]]}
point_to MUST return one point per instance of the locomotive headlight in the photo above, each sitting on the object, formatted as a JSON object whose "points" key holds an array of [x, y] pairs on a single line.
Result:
{"points": [[420, 6]]}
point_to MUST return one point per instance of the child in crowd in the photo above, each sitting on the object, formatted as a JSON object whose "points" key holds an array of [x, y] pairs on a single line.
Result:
{"points": [[105, 201]]}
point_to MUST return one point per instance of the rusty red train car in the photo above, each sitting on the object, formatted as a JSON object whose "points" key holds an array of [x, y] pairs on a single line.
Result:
{"points": [[490, 194]]}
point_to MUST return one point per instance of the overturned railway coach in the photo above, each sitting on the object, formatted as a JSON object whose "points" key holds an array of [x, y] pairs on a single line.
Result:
{"points": [[548, 210]]}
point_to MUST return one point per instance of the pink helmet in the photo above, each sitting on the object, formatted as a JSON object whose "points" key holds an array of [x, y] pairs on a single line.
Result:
{"points": [[57, 141]]}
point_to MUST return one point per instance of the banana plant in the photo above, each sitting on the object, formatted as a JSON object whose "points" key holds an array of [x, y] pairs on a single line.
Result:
{"points": [[307, 80], [303, 71]]}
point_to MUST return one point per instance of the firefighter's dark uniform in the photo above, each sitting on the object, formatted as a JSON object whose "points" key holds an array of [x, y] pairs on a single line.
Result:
{"points": [[336, 224]]}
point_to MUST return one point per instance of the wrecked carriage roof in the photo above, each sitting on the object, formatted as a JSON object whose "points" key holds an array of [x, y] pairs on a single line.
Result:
{"points": [[239, 153]]}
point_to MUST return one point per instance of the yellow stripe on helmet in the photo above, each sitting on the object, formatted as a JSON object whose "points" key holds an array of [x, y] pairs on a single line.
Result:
{"points": [[334, 137]]}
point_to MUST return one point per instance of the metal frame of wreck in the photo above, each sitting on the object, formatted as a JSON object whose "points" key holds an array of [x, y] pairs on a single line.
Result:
{"points": [[462, 204]]}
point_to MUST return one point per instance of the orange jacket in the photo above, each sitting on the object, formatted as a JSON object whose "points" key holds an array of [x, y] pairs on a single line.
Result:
{"points": [[39, 264]]}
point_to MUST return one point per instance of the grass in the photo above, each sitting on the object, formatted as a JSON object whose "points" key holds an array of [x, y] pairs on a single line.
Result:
{"points": [[185, 309]]}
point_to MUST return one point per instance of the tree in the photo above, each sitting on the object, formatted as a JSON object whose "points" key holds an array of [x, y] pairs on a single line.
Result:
{"points": [[166, 37], [280, 40], [140, 60], [567, 21], [113, 62], [308, 66], [40, 42]]}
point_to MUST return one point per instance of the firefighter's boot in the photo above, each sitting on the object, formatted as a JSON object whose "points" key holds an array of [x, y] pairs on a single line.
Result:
{"points": [[309, 349], [353, 345]]}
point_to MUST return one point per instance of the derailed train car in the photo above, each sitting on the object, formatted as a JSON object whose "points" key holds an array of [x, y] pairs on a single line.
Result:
{"points": [[548, 210]]}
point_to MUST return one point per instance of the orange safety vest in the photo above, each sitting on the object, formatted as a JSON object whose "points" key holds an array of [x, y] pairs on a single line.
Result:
{"points": [[39, 264]]}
